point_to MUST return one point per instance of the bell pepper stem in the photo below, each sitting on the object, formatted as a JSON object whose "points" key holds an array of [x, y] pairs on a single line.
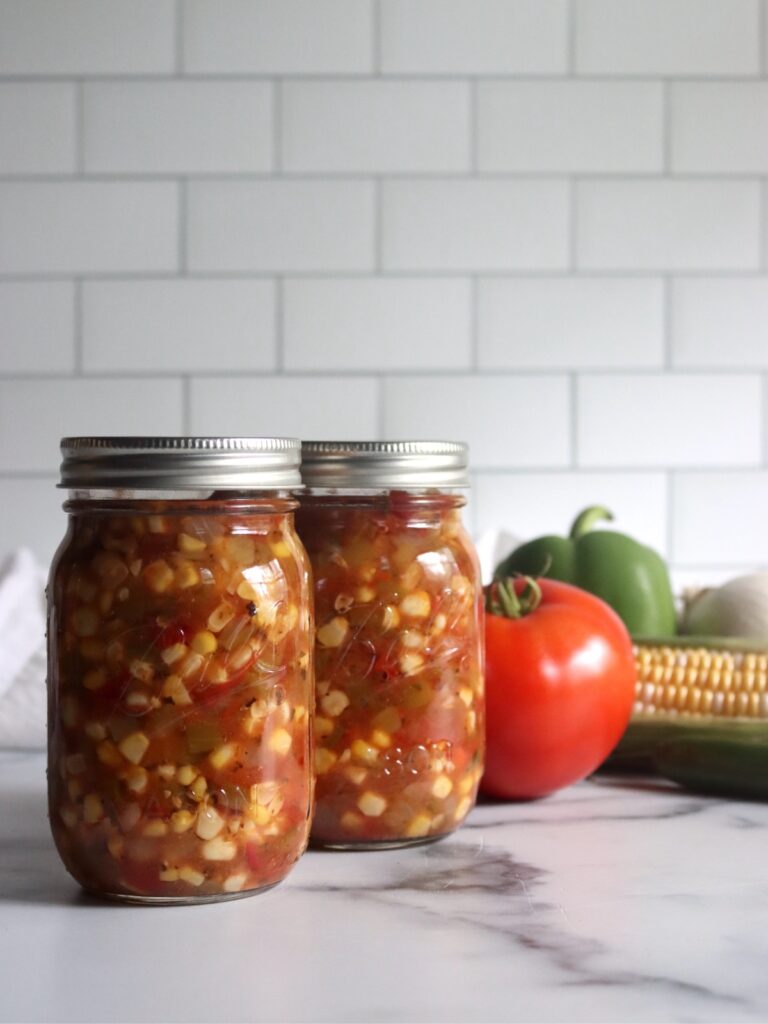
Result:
{"points": [[586, 520]]}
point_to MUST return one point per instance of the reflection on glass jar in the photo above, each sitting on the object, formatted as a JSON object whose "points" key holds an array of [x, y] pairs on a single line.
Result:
{"points": [[399, 719], [180, 684]]}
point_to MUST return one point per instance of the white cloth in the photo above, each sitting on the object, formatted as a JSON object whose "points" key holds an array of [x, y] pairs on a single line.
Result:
{"points": [[22, 642]]}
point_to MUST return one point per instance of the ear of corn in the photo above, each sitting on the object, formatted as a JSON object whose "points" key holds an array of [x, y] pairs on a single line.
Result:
{"points": [[692, 677]]}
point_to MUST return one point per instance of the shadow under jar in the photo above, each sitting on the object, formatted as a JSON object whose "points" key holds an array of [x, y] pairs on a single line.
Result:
{"points": [[180, 668], [399, 721]]}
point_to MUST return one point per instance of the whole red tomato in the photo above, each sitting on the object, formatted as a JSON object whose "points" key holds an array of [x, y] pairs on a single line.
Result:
{"points": [[560, 685]]}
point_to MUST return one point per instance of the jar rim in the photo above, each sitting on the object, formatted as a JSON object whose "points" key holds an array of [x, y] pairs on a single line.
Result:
{"points": [[385, 464], [180, 463]]}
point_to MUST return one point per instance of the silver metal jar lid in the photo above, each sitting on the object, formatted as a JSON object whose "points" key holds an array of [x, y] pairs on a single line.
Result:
{"points": [[180, 463], [392, 464]]}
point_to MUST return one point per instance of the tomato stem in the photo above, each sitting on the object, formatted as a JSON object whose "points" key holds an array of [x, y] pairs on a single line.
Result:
{"points": [[501, 598]]}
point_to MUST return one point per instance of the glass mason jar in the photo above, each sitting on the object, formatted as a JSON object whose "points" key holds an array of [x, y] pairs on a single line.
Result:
{"points": [[399, 721], [180, 668]]}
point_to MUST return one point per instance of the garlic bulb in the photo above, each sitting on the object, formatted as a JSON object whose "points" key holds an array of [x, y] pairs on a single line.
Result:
{"points": [[738, 608]]}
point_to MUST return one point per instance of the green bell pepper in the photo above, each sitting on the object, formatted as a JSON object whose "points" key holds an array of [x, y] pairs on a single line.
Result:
{"points": [[630, 577]]}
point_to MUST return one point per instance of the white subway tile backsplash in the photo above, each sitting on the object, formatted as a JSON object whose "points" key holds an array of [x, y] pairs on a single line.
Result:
{"points": [[178, 127], [32, 516], [81, 227], [668, 225], [720, 322], [178, 326], [278, 36], [528, 505], [377, 324], [474, 36], [281, 225], [86, 37], [305, 407], [570, 323], [720, 127], [474, 225], [37, 128], [667, 37], [669, 420], [376, 126], [719, 518], [497, 416], [36, 414], [570, 126], [38, 327]]}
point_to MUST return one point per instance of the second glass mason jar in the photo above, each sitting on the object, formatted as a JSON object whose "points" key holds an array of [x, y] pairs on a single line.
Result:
{"points": [[180, 668], [399, 718]]}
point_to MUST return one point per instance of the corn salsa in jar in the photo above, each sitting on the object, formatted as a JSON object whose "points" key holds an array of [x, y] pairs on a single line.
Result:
{"points": [[399, 719], [180, 669]]}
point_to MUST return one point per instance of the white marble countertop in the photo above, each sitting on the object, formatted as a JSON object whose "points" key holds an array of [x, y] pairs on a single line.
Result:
{"points": [[611, 901]]}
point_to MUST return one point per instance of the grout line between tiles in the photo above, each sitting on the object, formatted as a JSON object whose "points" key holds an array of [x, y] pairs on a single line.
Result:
{"points": [[77, 326], [666, 114], [670, 517], [79, 127], [182, 210], [376, 37], [763, 42], [381, 393], [277, 126], [571, 38], [378, 241], [474, 141], [573, 226], [179, 37], [186, 405], [280, 324], [667, 300], [573, 411], [474, 323]]}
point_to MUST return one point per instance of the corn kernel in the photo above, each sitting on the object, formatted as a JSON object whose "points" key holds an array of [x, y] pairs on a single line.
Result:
{"points": [[209, 823], [418, 826], [136, 701], [333, 633], [191, 664], [280, 741], [324, 760], [191, 876], [412, 639], [356, 774], [234, 883], [141, 670], [95, 679], [416, 605], [108, 754], [351, 822], [155, 828], [260, 814], [93, 809], [169, 875], [466, 783], [219, 849], [199, 788], [389, 720], [69, 712], [441, 787], [186, 774], [323, 727], [220, 616], [69, 816], [186, 576], [465, 695], [364, 595], [371, 804], [365, 752], [189, 545], [204, 642], [136, 779], [174, 690], [334, 703], [116, 846], [280, 549], [134, 747], [411, 663], [157, 524], [129, 817], [438, 624], [462, 808], [173, 653], [182, 821], [221, 756], [85, 622], [158, 576], [343, 603], [95, 731], [390, 618], [74, 789], [381, 739]]}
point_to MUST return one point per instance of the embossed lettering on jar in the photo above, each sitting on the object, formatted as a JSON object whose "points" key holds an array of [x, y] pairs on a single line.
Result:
{"points": [[399, 720], [180, 675]]}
